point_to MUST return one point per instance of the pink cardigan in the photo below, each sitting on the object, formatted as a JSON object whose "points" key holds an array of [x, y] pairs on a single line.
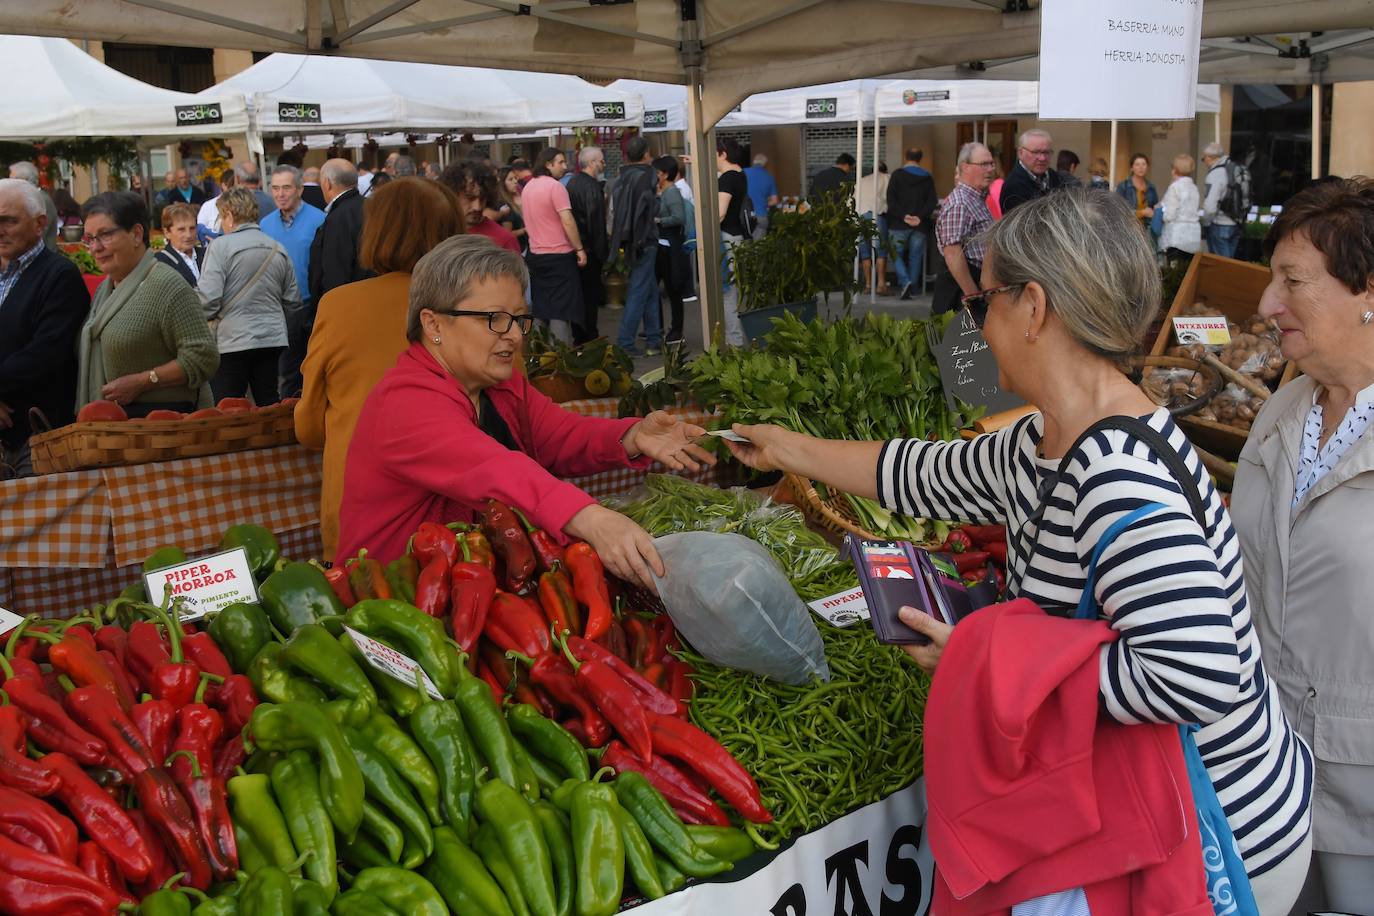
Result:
{"points": [[418, 455]]}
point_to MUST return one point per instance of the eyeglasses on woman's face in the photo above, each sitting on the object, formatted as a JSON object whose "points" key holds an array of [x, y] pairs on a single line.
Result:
{"points": [[498, 322], [977, 303], [101, 239]]}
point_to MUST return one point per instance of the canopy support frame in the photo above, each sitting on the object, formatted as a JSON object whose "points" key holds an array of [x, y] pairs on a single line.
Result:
{"points": [[237, 25]]}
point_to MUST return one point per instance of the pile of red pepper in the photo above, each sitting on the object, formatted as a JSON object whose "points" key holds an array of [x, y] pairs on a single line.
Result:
{"points": [[973, 548], [116, 743]]}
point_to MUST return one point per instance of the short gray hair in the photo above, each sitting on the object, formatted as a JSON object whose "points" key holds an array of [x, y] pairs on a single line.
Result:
{"points": [[966, 155], [1105, 299], [404, 167], [340, 172], [760, 159], [589, 154], [1033, 132], [33, 197], [445, 276], [1213, 151], [247, 173], [291, 170], [25, 171]]}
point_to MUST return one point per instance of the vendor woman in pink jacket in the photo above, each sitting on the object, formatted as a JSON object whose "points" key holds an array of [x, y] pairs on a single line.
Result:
{"points": [[454, 424]]}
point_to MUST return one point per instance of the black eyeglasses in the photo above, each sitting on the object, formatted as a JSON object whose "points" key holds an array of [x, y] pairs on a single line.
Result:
{"points": [[977, 303], [499, 322]]}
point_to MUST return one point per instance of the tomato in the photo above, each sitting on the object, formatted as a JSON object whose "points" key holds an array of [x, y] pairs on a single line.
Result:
{"points": [[288, 402], [205, 414], [101, 412], [164, 415], [234, 405]]}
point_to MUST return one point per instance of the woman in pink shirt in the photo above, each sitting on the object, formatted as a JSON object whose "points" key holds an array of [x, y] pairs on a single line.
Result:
{"points": [[454, 424], [556, 253]]}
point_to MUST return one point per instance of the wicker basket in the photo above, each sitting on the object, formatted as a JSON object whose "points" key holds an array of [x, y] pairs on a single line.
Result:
{"points": [[833, 514], [78, 446]]}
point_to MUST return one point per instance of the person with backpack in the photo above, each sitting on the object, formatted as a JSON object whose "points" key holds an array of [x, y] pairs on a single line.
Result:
{"points": [[1227, 201]]}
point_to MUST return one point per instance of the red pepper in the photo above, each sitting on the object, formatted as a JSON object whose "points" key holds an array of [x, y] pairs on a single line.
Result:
{"points": [[589, 585], [25, 642], [615, 641], [555, 597], [998, 551], [640, 639], [210, 803], [103, 819], [498, 690], [479, 548], [473, 587], [691, 804], [649, 696], [97, 865], [56, 833], [507, 674], [230, 756], [175, 680], [971, 561], [169, 812], [707, 757], [17, 770], [661, 625], [80, 628], [48, 725], [24, 895], [958, 542], [432, 588], [986, 534], [114, 640], [654, 674], [201, 649], [337, 576], [516, 625], [509, 541], [552, 674], [548, 555], [156, 721], [96, 710], [161, 868], [615, 700], [147, 648], [122, 681], [235, 699], [434, 540], [367, 577], [81, 661], [42, 868], [680, 686]]}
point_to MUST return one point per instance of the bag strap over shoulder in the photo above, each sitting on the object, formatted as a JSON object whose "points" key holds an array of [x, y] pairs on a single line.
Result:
{"points": [[252, 281]]}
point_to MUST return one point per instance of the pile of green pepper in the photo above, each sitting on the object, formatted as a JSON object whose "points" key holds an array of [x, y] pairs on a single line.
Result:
{"points": [[364, 795]]}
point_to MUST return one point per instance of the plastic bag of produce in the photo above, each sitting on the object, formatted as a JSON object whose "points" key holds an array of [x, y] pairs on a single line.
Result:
{"points": [[729, 598]]}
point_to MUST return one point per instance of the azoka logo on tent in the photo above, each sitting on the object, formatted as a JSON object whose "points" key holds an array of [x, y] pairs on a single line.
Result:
{"points": [[820, 108], [658, 118], [610, 111], [298, 112], [208, 113]]}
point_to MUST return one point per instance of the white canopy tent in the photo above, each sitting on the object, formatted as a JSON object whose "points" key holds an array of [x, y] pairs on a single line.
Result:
{"points": [[67, 93], [665, 104]]}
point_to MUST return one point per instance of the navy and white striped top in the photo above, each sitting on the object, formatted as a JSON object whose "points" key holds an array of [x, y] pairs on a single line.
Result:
{"points": [[1187, 650]]}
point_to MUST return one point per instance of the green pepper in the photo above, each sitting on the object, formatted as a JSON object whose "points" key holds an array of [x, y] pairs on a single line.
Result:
{"points": [[487, 845], [162, 558], [357, 903], [668, 874], [639, 856], [311, 650], [729, 844], [298, 793], [256, 812], [403, 891], [438, 729], [309, 899], [402, 699], [662, 826], [292, 726], [384, 830], [562, 796], [168, 901], [491, 735], [420, 636], [261, 761], [240, 630], [296, 594], [251, 856], [385, 786], [409, 761], [544, 776], [522, 839], [218, 906], [267, 893], [461, 878], [401, 574], [258, 543], [412, 854], [599, 848], [274, 683], [559, 839], [545, 738], [365, 851]]}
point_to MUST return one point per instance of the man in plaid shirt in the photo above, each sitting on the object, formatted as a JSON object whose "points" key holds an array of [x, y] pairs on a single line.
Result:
{"points": [[961, 227]]}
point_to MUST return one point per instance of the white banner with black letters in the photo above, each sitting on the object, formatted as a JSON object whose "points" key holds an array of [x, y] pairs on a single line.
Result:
{"points": [[875, 861]]}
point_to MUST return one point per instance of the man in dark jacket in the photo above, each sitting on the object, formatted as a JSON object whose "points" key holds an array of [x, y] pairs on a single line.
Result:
{"points": [[911, 201], [1032, 176], [334, 252], [636, 234], [831, 180], [588, 198], [43, 303]]}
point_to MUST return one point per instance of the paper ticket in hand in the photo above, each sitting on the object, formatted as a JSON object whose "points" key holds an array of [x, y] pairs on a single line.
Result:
{"points": [[727, 434]]}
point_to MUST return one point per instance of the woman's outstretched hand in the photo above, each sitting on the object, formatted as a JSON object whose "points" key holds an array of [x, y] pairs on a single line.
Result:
{"points": [[667, 440]]}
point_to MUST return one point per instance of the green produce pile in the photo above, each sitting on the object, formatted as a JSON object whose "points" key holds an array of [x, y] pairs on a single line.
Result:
{"points": [[872, 378], [817, 751]]}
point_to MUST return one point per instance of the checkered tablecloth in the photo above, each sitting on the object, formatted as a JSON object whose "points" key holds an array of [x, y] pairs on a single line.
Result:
{"points": [[56, 520]]}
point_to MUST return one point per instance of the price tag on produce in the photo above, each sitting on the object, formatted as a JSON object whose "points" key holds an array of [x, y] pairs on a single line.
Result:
{"points": [[391, 663], [8, 621], [1210, 331], [842, 609], [205, 585]]}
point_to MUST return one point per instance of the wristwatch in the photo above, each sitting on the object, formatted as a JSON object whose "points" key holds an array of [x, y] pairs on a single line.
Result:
{"points": [[152, 377]]}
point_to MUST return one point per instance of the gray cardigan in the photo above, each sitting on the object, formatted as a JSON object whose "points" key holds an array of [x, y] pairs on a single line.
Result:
{"points": [[249, 318]]}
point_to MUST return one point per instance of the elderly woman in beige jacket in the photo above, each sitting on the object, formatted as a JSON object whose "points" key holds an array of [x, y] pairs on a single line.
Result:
{"points": [[1304, 510]]}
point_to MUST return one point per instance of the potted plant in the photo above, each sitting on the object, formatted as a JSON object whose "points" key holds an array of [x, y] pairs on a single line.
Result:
{"points": [[614, 282], [806, 254]]}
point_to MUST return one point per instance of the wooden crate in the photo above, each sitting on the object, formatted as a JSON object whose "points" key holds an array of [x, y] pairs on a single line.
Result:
{"points": [[78, 446]]}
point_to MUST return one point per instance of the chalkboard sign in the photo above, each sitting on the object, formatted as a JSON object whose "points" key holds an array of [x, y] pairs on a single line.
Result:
{"points": [[967, 368]]}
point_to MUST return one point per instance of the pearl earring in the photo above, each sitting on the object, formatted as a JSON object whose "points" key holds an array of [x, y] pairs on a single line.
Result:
{"points": [[1367, 317], [436, 340]]}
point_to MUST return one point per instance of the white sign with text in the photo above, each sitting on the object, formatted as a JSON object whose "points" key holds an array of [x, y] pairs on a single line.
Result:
{"points": [[8, 621], [393, 664], [842, 609], [1119, 60], [205, 585]]}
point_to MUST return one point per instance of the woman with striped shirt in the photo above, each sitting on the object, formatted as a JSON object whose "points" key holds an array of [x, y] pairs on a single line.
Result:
{"points": [[1069, 287]]}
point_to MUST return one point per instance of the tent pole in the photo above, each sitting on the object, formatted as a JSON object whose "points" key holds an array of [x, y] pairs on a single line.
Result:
{"points": [[873, 206], [1111, 162], [985, 132], [1316, 130], [1216, 124], [702, 144]]}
